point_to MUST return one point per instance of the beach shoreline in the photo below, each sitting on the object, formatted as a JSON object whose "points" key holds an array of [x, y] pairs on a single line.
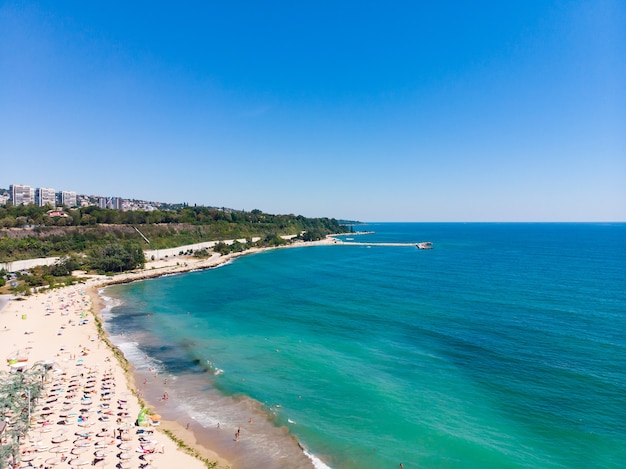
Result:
{"points": [[176, 429], [54, 325]]}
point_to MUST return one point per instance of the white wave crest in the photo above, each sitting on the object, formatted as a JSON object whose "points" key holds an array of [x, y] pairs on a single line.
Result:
{"points": [[317, 463]]}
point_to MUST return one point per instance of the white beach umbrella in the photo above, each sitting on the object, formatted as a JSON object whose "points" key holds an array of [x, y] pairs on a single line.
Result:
{"points": [[102, 453], [58, 449], [82, 443]]}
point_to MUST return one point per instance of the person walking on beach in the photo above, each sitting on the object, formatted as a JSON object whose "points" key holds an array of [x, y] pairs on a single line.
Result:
{"points": [[237, 434]]}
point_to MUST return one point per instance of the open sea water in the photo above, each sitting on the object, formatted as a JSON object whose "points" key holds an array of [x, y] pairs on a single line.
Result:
{"points": [[502, 347]]}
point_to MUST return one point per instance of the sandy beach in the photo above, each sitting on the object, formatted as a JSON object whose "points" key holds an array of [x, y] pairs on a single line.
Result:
{"points": [[89, 407]]}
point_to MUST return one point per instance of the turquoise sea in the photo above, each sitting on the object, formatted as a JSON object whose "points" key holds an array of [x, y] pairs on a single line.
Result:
{"points": [[502, 347]]}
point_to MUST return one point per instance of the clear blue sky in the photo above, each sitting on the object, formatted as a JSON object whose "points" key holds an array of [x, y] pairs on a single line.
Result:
{"points": [[378, 111]]}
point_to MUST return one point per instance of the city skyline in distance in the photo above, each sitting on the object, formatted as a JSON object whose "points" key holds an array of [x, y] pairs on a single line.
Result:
{"points": [[401, 112], [24, 194]]}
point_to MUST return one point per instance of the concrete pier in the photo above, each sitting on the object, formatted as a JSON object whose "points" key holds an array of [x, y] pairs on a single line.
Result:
{"points": [[356, 243]]}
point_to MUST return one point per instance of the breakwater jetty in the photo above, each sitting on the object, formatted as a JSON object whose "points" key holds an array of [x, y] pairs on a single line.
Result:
{"points": [[356, 243], [350, 242]]}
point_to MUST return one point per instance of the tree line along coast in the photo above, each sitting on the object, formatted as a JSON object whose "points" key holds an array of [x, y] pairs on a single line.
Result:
{"points": [[107, 241]]}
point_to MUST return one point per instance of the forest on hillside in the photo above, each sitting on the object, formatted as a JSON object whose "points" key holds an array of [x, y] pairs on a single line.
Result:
{"points": [[30, 231]]}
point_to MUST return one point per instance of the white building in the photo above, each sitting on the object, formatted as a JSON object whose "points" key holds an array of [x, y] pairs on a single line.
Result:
{"points": [[45, 196], [21, 194], [114, 203], [68, 198]]}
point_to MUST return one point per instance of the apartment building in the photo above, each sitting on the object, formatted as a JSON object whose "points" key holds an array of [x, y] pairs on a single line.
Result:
{"points": [[45, 196], [20, 194], [68, 198]]}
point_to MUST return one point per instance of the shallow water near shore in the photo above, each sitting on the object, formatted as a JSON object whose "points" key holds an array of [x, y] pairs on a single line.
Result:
{"points": [[503, 346]]}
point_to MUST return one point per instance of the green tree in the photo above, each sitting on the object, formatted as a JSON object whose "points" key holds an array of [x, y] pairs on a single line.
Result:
{"points": [[116, 257], [273, 239], [65, 266]]}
